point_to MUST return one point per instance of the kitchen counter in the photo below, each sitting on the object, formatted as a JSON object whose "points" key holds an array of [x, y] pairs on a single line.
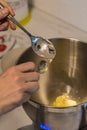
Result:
{"points": [[48, 26]]}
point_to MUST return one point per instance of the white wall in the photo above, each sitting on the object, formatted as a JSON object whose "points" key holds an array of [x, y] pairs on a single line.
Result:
{"points": [[72, 11]]}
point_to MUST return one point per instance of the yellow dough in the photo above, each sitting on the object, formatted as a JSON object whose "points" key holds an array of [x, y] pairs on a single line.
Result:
{"points": [[64, 101]]}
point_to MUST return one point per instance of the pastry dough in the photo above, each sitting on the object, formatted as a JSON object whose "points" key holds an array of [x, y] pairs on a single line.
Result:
{"points": [[64, 101]]}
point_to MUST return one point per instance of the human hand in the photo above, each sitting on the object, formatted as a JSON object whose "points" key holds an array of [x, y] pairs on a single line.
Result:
{"points": [[4, 12], [16, 86]]}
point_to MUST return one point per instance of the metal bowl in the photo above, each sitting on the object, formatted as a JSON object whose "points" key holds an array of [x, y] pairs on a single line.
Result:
{"points": [[66, 73]]}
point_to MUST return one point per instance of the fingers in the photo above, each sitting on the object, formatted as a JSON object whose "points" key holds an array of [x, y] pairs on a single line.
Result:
{"points": [[30, 87], [3, 21], [24, 77], [24, 67], [19, 99], [28, 77], [4, 12], [5, 4], [4, 26], [12, 25]]}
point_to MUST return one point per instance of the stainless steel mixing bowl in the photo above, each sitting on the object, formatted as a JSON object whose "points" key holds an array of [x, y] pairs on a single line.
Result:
{"points": [[66, 73]]}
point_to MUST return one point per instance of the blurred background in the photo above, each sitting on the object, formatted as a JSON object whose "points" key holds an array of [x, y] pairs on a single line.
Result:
{"points": [[72, 11]]}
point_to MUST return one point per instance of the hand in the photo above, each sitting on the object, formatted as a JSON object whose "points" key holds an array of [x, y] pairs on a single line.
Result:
{"points": [[16, 86], [4, 12]]}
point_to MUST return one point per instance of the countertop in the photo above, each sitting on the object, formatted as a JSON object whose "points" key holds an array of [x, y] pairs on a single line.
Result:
{"points": [[48, 26]]}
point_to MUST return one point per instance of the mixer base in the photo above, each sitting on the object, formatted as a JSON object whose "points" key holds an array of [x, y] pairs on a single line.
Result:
{"points": [[38, 128], [34, 127]]}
